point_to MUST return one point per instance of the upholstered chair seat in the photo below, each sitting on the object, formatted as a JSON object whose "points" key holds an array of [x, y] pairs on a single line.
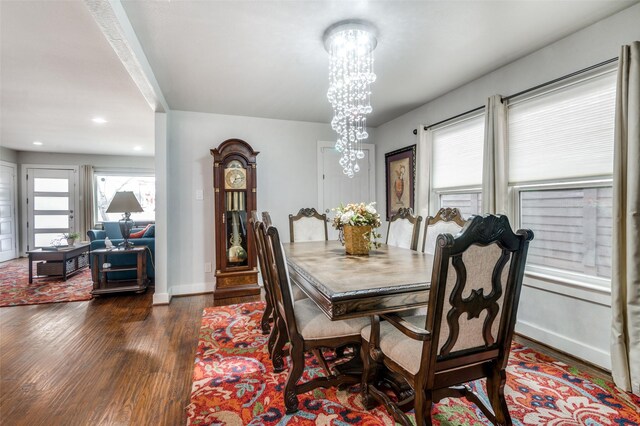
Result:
{"points": [[313, 324], [395, 345]]}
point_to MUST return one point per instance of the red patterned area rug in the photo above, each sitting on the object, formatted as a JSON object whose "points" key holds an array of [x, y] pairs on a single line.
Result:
{"points": [[15, 288], [234, 384]]}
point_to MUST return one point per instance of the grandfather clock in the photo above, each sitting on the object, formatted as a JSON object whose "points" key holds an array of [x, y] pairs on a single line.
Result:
{"points": [[234, 183]]}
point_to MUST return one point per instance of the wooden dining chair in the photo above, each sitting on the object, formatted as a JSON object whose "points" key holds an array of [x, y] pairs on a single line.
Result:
{"points": [[268, 315], [467, 332], [446, 221], [404, 229], [309, 329], [308, 225]]}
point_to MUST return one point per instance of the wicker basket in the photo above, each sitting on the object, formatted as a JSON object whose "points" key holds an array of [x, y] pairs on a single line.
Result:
{"points": [[355, 241]]}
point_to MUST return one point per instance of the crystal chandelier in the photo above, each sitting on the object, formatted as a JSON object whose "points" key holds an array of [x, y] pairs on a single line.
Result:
{"points": [[350, 45]]}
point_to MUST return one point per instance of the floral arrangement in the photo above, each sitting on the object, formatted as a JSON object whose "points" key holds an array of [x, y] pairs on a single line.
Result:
{"points": [[358, 215]]}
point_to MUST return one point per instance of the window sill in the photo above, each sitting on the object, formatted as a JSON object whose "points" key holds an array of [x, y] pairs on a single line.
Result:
{"points": [[568, 287]]}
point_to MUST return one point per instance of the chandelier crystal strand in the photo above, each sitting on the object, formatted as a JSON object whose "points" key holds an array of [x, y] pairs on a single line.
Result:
{"points": [[350, 47]]}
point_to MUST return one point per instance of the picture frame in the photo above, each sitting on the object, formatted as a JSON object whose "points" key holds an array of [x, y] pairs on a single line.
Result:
{"points": [[400, 179]]}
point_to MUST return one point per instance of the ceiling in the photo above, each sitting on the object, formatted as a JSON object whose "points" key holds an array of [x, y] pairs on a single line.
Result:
{"points": [[260, 58], [57, 73]]}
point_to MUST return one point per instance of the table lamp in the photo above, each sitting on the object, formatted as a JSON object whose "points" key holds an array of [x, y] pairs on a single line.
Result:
{"points": [[126, 203]]}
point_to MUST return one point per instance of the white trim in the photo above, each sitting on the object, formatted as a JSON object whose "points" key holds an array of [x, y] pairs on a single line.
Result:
{"points": [[454, 121], [161, 298], [17, 222], [162, 248], [569, 288], [197, 288], [566, 344]]}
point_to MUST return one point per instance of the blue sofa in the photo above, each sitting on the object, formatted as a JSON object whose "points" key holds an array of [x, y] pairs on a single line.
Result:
{"points": [[112, 230]]}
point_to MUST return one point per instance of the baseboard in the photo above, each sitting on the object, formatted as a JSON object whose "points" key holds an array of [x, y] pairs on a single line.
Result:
{"points": [[161, 298], [200, 288], [565, 344]]}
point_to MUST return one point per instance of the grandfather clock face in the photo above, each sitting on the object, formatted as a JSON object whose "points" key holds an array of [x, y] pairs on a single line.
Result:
{"points": [[235, 176]]}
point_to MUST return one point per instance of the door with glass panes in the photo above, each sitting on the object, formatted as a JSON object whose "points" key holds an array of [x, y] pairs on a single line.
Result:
{"points": [[51, 195]]}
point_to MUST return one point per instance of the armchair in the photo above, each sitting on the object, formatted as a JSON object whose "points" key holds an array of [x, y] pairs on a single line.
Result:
{"points": [[462, 338]]}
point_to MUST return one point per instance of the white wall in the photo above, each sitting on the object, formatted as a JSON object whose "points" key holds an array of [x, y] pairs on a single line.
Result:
{"points": [[543, 313], [33, 157], [286, 174]]}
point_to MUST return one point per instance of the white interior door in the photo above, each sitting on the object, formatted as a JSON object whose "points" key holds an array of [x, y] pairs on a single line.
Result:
{"points": [[337, 188], [51, 195], [8, 226]]}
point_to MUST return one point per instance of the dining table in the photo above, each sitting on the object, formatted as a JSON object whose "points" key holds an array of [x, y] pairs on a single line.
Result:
{"points": [[389, 279]]}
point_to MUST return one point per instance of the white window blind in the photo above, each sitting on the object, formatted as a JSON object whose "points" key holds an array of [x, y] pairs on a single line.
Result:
{"points": [[564, 133], [457, 153]]}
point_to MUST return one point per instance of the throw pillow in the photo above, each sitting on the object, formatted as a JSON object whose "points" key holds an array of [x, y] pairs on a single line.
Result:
{"points": [[140, 233], [151, 232]]}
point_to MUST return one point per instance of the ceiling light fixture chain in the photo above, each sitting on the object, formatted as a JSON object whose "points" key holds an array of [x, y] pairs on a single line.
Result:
{"points": [[350, 45]]}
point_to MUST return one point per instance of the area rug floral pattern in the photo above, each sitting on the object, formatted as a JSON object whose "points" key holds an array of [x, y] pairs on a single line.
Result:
{"points": [[15, 288], [234, 384]]}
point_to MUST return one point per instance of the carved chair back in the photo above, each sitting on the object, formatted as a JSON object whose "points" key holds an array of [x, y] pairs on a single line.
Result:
{"points": [[404, 229], [258, 233], [446, 221], [266, 218], [476, 282], [284, 300], [308, 225]]}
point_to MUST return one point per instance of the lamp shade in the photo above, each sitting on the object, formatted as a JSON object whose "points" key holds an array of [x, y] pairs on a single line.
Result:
{"points": [[124, 202]]}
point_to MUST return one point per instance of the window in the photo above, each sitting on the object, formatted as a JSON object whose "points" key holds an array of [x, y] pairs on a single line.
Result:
{"points": [[468, 202], [456, 176], [143, 186], [572, 228], [560, 167]]}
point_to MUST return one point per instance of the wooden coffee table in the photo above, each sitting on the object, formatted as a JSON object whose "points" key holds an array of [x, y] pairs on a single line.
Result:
{"points": [[61, 261]]}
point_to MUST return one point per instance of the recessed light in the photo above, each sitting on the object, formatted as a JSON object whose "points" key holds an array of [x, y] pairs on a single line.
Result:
{"points": [[98, 120], [37, 143], [137, 148]]}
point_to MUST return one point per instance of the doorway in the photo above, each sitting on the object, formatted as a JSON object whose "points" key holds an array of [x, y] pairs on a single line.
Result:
{"points": [[51, 204], [335, 188], [8, 215]]}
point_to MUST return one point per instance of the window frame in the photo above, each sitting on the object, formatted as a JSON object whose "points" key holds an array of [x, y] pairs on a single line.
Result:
{"points": [[546, 273], [436, 193]]}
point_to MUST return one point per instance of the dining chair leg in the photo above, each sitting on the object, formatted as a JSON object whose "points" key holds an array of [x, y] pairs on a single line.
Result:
{"points": [[266, 317], [278, 349], [495, 389], [423, 403], [273, 336], [295, 372]]}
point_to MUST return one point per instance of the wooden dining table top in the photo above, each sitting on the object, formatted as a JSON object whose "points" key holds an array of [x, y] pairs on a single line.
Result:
{"points": [[389, 279]]}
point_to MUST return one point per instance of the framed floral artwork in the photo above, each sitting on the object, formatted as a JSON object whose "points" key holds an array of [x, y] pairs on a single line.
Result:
{"points": [[400, 172]]}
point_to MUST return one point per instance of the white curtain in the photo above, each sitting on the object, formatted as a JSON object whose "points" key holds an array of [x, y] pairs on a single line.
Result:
{"points": [[495, 172], [423, 153], [625, 279], [86, 200]]}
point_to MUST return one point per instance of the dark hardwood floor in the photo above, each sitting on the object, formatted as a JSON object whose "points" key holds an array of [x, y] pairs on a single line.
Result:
{"points": [[115, 360], [112, 360]]}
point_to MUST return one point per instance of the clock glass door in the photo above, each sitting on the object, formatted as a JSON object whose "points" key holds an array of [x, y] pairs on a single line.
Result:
{"points": [[236, 214]]}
